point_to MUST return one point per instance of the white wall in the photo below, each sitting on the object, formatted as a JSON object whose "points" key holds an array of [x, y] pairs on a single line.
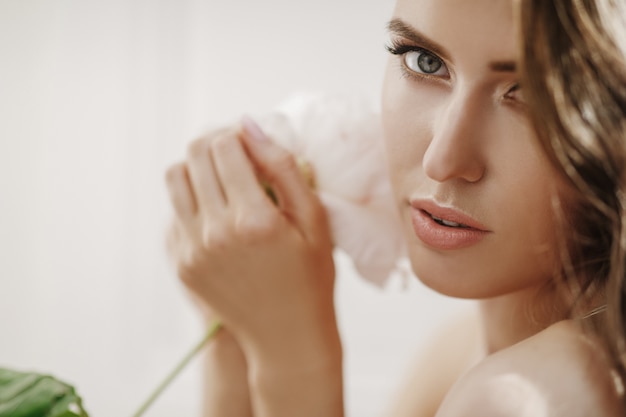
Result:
{"points": [[97, 97]]}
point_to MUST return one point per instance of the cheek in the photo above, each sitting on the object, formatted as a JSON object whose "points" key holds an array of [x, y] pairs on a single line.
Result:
{"points": [[407, 123], [532, 186], [537, 226], [523, 187], [395, 111]]}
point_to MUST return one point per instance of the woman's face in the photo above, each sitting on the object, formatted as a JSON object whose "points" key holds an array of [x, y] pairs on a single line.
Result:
{"points": [[474, 188]]}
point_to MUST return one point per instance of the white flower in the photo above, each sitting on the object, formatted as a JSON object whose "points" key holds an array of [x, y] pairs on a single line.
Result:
{"points": [[341, 138]]}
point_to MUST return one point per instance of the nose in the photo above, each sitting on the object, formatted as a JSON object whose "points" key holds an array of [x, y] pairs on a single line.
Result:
{"points": [[455, 150]]}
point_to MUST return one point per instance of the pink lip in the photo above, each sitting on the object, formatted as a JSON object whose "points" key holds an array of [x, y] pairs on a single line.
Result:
{"points": [[443, 237]]}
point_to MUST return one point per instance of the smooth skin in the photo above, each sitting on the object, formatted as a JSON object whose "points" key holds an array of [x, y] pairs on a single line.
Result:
{"points": [[457, 134]]}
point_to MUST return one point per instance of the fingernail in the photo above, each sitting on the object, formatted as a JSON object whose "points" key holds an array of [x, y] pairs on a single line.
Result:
{"points": [[253, 129]]}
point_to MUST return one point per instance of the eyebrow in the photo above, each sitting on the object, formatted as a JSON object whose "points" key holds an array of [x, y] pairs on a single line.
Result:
{"points": [[503, 66], [401, 28]]}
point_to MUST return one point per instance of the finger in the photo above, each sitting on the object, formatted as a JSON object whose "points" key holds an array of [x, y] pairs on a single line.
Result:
{"points": [[281, 170], [236, 173], [176, 240], [180, 192], [205, 184]]}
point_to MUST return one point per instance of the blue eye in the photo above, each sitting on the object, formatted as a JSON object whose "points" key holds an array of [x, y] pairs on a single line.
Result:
{"points": [[419, 61], [425, 62]]}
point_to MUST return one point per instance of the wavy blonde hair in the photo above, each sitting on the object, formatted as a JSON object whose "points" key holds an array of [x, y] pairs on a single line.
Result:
{"points": [[573, 68]]}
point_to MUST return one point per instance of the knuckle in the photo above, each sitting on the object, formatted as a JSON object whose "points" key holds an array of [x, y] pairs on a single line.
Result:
{"points": [[202, 145], [199, 147], [257, 228], [215, 239], [223, 144], [284, 161], [175, 172], [188, 273], [193, 265], [186, 266]]}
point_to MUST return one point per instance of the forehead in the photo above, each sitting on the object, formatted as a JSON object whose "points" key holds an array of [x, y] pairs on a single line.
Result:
{"points": [[486, 25]]}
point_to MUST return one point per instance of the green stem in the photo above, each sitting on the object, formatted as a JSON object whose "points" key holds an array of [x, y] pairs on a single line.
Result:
{"points": [[215, 327]]}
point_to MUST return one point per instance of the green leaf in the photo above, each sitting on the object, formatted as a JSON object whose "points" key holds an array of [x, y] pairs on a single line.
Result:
{"points": [[25, 394]]}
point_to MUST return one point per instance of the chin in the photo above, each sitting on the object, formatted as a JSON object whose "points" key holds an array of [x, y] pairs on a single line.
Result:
{"points": [[450, 276], [451, 287], [440, 275]]}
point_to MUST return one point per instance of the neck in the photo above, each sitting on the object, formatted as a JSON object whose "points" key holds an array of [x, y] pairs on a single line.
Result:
{"points": [[511, 318]]}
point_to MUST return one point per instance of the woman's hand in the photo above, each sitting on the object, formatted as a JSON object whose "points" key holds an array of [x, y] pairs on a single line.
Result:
{"points": [[265, 269]]}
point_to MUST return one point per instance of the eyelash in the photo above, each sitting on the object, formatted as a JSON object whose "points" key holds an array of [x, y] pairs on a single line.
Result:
{"points": [[399, 49], [513, 89]]}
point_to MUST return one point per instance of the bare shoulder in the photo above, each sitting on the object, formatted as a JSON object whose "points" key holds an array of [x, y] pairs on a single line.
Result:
{"points": [[438, 365], [558, 372]]}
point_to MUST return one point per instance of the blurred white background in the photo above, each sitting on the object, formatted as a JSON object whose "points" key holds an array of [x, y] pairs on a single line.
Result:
{"points": [[97, 98]]}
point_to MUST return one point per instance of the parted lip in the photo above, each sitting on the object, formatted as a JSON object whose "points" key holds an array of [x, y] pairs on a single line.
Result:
{"points": [[448, 214]]}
